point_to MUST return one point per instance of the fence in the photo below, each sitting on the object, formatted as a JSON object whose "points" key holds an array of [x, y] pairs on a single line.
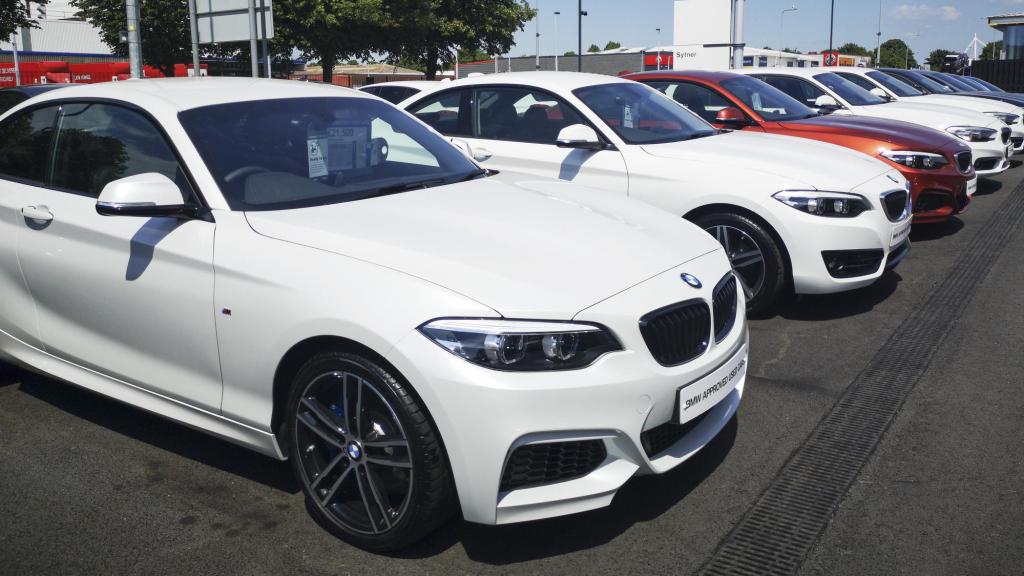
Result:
{"points": [[1007, 74]]}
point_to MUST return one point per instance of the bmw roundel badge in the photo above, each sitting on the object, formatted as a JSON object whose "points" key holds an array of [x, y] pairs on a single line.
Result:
{"points": [[690, 279]]}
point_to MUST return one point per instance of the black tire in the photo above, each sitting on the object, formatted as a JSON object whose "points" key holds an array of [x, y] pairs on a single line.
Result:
{"points": [[390, 426], [766, 277]]}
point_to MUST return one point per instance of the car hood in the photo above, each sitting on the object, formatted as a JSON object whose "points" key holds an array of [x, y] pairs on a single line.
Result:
{"points": [[524, 247], [897, 134], [800, 161], [933, 115], [967, 102]]}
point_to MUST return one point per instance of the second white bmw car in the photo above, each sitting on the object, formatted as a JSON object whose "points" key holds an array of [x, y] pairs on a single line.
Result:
{"points": [[790, 212], [312, 273]]}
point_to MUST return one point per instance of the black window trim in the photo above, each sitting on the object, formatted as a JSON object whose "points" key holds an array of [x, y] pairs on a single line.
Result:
{"points": [[472, 90], [824, 91], [197, 197]]}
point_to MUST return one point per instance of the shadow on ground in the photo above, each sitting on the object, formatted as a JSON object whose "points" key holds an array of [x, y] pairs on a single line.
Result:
{"points": [[642, 499], [988, 186], [815, 307], [936, 231], [158, 432]]}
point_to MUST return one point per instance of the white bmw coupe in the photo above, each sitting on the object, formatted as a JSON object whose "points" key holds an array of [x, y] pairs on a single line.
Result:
{"points": [[314, 274]]}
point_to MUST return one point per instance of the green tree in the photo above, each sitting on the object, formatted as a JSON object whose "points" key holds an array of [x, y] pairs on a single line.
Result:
{"points": [[428, 31], [991, 51], [593, 48], [854, 49], [612, 45], [14, 14], [937, 57], [896, 54], [570, 53], [163, 28], [330, 31], [472, 55]]}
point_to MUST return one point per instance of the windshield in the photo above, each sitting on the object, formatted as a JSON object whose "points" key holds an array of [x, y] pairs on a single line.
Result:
{"points": [[847, 90], [894, 85], [642, 115], [973, 82], [929, 84], [299, 152], [988, 85], [958, 83], [768, 101]]}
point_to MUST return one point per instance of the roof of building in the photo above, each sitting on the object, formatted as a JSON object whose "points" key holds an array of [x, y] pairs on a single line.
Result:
{"points": [[363, 69]]}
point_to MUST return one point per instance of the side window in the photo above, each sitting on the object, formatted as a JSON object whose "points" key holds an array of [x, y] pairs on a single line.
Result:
{"points": [[9, 100], [859, 80], [447, 113], [395, 94], [798, 88], [25, 145], [522, 115], [700, 100], [100, 143]]}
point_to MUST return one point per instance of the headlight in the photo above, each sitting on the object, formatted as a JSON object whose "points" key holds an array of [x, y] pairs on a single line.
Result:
{"points": [[521, 345], [919, 160], [832, 204], [973, 133], [1006, 117]]}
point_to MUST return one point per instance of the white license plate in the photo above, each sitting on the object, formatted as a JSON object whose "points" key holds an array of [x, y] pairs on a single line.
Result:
{"points": [[702, 395], [972, 186], [900, 232]]}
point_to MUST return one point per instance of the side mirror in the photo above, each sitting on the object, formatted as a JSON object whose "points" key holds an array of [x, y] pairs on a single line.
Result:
{"points": [[881, 94], [148, 195], [579, 136], [731, 117], [826, 103]]}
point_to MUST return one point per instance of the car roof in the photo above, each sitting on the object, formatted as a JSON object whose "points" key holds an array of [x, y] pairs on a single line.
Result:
{"points": [[419, 84], [552, 80], [713, 76], [34, 89], [787, 71], [187, 93]]}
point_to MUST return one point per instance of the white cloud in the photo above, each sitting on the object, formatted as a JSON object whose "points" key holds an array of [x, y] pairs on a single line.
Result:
{"points": [[925, 11]]}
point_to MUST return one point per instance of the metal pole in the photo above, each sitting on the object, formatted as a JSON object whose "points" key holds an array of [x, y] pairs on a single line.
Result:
{"points": [[253, 56], [134, 42], [556, 40], [737, 38], [878, 42], [579, 43], [536, 56], [17, 66], [831, 25], [782, 35], [266, 43], [658, 30], [194, 20]]}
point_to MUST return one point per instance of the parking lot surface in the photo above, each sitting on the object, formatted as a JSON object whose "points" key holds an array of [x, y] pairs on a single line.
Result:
{"points": [[91, 486]]}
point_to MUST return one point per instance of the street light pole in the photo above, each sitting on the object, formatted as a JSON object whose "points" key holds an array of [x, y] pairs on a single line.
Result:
{"points": [[17, 66], [658, 30], [878, 42], [831, 25], [782, 41], [579, 40], [134, 47], [906, 56], [556, 40], [536, 62]]}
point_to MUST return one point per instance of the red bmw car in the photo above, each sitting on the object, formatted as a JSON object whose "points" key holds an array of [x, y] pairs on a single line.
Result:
{"points": [[938, 166]]}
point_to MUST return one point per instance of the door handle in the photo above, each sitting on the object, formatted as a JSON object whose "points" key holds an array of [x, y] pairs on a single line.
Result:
{"points": [[482, 154], [37, 213]]}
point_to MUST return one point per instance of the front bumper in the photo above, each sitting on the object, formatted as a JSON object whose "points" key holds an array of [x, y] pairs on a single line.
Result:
{"points": [[808, 238], [991, 158], [484, 415], [938, 196]]}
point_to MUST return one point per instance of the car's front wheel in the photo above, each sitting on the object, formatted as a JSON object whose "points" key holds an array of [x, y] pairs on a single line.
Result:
{"points": [[366, 453], [754, 254]]}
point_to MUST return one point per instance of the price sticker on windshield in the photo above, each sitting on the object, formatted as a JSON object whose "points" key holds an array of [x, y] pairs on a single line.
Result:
{"points": [[627, 116], [317, 155]]}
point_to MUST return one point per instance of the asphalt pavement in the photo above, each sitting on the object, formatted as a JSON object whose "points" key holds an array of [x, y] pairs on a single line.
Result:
{"points": [[90, 486]]}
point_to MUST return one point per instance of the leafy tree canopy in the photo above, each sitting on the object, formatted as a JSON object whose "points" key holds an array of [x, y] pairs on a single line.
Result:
{"points": [[14, 14], [612, 45], [896, 54], [936, 58], [991, 50], [594, 48]]}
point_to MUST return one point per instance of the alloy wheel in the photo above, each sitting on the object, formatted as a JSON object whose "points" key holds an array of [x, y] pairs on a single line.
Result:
{"points": [[354, 453], [744, 254]]}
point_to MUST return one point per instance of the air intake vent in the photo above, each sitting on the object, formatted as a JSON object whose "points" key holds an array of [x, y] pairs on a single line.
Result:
{"points": [[963, 161], [895, 203], [536, 464], [724, 301]]}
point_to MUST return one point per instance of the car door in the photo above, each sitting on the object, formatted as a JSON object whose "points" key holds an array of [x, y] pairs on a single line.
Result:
{"points": [[128, 297], [512, 128], [25, 139], [701, 100]]}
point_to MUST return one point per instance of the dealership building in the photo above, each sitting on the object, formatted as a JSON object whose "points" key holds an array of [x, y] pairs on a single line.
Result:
{"points": [[1012, 27]]}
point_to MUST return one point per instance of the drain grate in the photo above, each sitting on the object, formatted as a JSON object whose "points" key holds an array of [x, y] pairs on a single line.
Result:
{"points": [[780, 529]]}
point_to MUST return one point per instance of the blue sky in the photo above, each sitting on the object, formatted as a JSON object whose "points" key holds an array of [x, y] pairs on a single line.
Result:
{"points": [[949, 24]]}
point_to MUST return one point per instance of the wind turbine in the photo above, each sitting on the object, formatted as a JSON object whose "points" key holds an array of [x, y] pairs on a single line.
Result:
{"points": [[975, 44]]}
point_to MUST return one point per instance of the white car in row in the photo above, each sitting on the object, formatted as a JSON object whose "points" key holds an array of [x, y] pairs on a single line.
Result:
{"points": [[245, 257], [988, 137], [790, 212], [893, 89]]}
